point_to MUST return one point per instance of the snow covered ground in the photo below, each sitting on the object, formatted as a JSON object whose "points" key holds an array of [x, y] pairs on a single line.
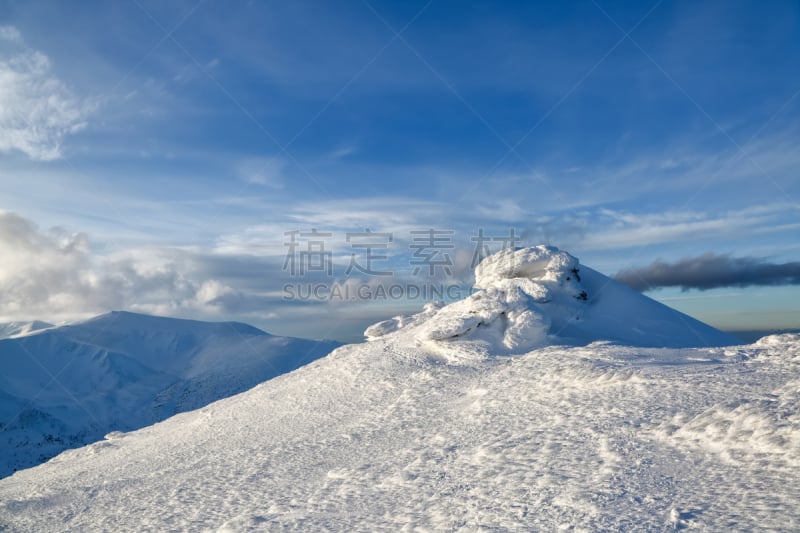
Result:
{"points": [[21, 329], [500, 412], [69, 386]]}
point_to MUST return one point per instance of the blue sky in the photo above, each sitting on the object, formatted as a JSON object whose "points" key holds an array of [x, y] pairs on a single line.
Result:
{"points": [[153, 154]]}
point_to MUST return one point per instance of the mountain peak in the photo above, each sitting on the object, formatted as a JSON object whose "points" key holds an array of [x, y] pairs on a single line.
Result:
{"points": [[128, 321], [122, 371], [537, 263], [525, 298], [21, 329]]}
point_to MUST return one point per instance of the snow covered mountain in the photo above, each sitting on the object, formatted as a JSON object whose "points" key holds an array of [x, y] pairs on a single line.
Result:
{"points": [[19, 329], [69, 386], [505, 411], [533, 297]]}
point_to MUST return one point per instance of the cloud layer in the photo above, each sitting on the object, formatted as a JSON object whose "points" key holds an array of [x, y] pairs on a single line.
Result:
{"points": [[54, 274], [36, 109], [711, 271]]}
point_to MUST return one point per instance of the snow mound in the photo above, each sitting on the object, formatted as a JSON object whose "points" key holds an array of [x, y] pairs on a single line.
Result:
{"points": [[779, 340], [394, 324], [760, 429], [763, 431], [531, 297]]}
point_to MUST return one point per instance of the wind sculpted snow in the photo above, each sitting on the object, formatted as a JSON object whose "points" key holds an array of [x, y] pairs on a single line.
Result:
{"points": [[432, 427], [380, 437], [532, 297]]}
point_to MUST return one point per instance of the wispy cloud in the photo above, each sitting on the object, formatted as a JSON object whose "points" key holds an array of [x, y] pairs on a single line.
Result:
{"points": [[711, 271], [10, 34], [267, 172], [618, 229], [38, 110]]}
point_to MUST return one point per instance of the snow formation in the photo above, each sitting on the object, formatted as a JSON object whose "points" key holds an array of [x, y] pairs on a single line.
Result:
{"points": [[69, 386], [428, 428], [532, 297]]}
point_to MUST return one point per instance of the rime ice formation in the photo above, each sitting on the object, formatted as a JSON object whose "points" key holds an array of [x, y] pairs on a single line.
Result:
{"points": [[536, 296]]}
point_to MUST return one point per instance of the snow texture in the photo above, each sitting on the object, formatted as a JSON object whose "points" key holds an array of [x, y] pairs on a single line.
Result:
{"points": [[427, 428], [532, 297], [69, 386], [379, 437]]}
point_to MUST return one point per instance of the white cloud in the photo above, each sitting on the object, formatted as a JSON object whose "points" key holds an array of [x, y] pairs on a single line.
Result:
{"points": [[37, 110], [9, 33], [619, 230], [54, 275], [398, 216], [266, 171], [377, 213], [342, 152], [503, 210]]}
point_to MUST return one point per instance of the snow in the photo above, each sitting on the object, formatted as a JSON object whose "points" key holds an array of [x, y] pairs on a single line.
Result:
{"points": [[12, 330], [421, 430], [533, 297], [373, 437], [66, 387]]}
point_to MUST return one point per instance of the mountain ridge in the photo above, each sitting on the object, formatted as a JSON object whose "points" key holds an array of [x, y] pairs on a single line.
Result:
{"points": [[18, 329], [122, 371]]}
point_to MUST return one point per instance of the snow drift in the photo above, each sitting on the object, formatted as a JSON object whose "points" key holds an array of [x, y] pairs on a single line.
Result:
{"points": [[69, 386]]}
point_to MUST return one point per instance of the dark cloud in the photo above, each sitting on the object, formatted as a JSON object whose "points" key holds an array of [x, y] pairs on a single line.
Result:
{"points": [[711, 271]]}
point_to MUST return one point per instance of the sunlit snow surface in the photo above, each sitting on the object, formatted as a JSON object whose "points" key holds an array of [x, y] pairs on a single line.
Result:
{"points": [[447, 422], [11, 330], [378, 436], [538, 296], [68, 386]]}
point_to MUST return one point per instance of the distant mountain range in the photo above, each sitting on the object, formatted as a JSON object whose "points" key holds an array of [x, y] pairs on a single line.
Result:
{"points": [[19, 329], [63, 387]]}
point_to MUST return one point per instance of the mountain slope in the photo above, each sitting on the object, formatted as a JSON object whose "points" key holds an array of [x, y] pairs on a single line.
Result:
{"points": [[425, 427], [375, 437], [69, 386], [18, 329]]}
